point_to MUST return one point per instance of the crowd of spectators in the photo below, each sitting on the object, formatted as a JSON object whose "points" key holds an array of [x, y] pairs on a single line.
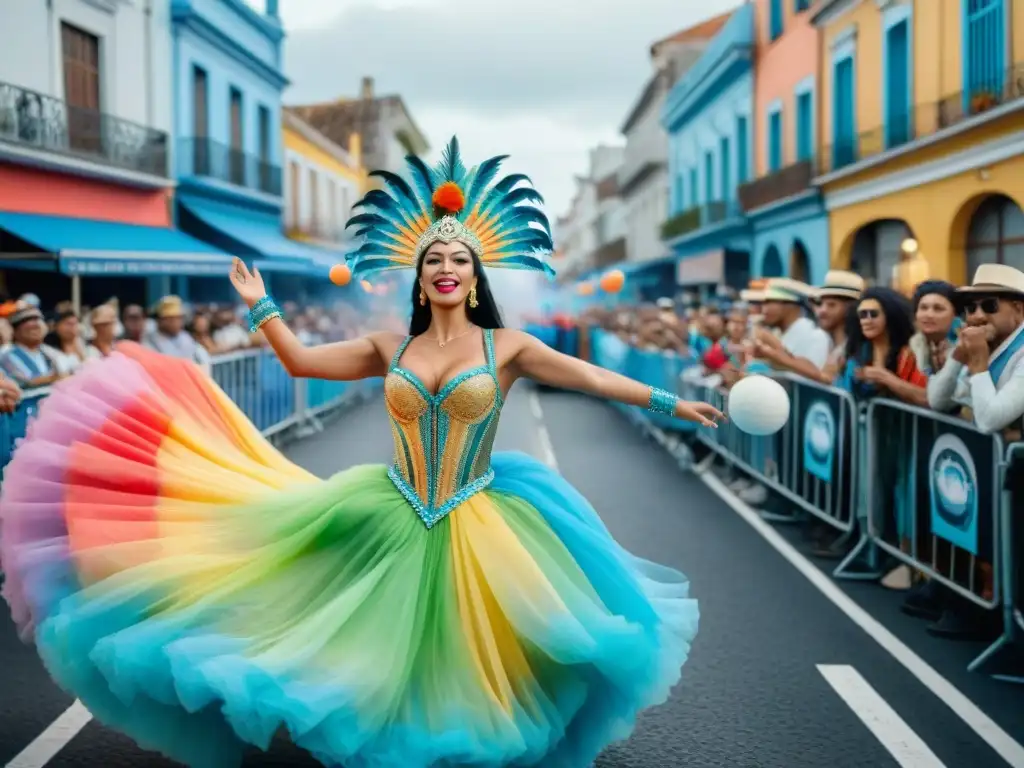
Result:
{"points": [[39, 348], [955, 350]]}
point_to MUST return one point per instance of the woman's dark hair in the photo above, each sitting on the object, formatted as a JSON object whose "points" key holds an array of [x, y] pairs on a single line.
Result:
{"points": [[899, 326], [939, 288], [485, 314], [52, 339]]}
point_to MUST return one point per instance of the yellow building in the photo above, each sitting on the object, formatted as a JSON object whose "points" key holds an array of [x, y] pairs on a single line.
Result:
{"points": [[921, 133], [322, 182]]}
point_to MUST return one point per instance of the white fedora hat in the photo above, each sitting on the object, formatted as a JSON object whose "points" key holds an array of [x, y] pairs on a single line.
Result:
{"points": [[996, 279], [840, 284], [785, 289]]}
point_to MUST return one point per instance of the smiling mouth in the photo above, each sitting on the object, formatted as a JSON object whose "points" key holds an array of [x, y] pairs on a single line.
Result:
{"points": [[445, 285]]}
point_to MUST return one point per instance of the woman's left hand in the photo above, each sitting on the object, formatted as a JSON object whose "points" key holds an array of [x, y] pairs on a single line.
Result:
{"points": [[704, 414], [876, 375]]}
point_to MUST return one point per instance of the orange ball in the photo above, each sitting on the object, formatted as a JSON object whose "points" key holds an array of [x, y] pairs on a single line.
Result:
{"points": [[612, 282], [340, 274]]}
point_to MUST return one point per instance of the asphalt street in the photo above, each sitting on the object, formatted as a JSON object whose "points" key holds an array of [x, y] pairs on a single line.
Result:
{"points": [[779, 677]]}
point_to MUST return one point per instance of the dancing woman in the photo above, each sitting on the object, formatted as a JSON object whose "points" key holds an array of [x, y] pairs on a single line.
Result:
{"points": [[199, 592]]}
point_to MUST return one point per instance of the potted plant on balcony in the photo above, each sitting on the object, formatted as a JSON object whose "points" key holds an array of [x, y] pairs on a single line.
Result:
{"points": [[982, 101]]}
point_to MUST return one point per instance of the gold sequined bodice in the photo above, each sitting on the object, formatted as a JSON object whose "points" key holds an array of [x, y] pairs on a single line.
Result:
{"points": [[443, 441]]}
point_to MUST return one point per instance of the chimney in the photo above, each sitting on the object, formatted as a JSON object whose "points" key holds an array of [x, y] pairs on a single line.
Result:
{"points": [[272, 10], [367, 90]]}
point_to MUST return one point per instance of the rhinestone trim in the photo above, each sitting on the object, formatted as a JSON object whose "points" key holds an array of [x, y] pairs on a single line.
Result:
{"points": [[432, 517]]}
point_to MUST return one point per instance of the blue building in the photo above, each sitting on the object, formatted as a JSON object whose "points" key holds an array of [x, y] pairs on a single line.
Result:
{"points": [[707, 116], [228, 83]]}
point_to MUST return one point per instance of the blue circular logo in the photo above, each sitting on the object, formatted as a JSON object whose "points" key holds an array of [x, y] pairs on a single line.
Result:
{"points": [[953, 482], [819, 431]]}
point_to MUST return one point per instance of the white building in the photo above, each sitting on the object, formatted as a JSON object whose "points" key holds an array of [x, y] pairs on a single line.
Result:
{"points": [[67, 61], [643, 178], [593, 231]]}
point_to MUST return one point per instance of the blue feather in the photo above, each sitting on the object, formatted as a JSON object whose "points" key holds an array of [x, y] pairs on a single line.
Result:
{"points": [[451, 167], [483, 175], [422, 179], [368, 219], [405, 196]]}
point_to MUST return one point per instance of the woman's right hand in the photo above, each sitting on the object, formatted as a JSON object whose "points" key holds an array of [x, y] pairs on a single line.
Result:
{"points": [[249, 285]]}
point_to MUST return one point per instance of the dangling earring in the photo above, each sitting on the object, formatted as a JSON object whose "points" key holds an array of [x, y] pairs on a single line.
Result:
{"points": [[473, 303], [423, 298]]}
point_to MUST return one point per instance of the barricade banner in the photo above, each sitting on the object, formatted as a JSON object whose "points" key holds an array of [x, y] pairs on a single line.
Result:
{"points": [[934, 493], [819, 415]]}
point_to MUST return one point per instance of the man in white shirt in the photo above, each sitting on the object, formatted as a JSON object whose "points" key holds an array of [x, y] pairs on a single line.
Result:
{"points": [[985, 371], [784, 310]]}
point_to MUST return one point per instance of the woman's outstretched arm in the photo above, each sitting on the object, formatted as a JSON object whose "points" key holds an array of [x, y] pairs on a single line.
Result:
{"points": [[360, 358], [532, 359]]}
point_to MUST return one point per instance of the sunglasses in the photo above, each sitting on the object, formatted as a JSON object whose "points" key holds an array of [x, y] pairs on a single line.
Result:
{"points": [[989, 305], [869, 314]]}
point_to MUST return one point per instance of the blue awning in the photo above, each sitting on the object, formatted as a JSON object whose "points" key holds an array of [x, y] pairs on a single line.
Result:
{"points": [[259, 236], [91, 247]]}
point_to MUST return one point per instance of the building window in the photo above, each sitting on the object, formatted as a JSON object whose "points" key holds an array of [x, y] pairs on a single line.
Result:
{"points": [[996, 235], [776, 22], [314, 201], [295, 192], [742, 156], [332, 209], [264, 129], [694, 202], [799, 6], [81, 55], [680, 202], [804, 126], [236, 155], [709, 177], [898, 116], [774, 139], [200, 122], [724, 160], [844, 136], [984, 60]]}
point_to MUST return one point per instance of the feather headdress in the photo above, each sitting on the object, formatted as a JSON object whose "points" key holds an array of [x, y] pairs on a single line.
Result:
{"points": [[499, 222]]}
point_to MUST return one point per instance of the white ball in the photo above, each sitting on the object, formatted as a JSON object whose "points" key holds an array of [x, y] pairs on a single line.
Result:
{"points": [[758, 405]]}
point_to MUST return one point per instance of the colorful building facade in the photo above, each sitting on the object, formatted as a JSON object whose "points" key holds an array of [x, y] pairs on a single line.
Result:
{"points": [[786, 212], [322, 183], [709, 121], [921, 141], [85, 184]]}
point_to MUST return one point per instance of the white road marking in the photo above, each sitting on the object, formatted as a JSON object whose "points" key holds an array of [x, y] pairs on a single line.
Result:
{"points": [[906, 747], [53, 739], [546, 449], [999, 740]]}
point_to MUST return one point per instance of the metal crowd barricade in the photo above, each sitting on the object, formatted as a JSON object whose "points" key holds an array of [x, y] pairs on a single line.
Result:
{"points": [[933, 497], [811, 461], [13, 425]]}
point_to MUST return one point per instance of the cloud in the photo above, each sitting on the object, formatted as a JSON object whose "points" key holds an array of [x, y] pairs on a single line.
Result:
{"points": [[539, 79]]}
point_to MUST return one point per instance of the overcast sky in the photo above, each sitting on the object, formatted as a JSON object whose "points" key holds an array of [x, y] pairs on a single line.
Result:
{"points": [[541, 80]]}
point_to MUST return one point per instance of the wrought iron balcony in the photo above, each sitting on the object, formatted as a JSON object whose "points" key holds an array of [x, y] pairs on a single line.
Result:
{"points": [[36, 121], [926, 119], [785, 182], [200, 156], [693, 219]]}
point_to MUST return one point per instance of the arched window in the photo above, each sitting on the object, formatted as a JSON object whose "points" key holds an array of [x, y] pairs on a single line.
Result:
{"points": [[876, 250], [771, 266], [996, 235], [799, 263]]}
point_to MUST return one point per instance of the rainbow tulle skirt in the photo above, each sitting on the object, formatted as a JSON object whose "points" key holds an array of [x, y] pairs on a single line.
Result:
{"points": [[200, 593]]}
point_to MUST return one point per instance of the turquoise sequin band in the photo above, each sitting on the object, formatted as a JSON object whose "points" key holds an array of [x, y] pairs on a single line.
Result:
{"points": [[662, 402], [262, 312]]}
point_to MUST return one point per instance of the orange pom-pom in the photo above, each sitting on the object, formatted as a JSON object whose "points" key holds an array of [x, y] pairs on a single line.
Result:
{"points": [[449, 198], [340, 274], [612, 282]]}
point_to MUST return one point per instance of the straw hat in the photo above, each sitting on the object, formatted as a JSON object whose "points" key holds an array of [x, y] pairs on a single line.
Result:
{"points": [[752, 296], [23, 315], [787, 290], [996, 279], [169, 306], [840, 284]]}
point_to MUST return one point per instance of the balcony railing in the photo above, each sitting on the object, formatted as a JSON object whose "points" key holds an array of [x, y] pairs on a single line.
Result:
{"points": [[199, 156], [34, 120], [693, 219], [924, 120], [786, 182]]}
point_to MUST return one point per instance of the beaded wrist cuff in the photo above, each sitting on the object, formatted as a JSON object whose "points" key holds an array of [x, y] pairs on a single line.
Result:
{"points": [[262, 312], [662, 402]]}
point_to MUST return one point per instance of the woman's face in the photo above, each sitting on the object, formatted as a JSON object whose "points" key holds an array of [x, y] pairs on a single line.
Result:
{"points": [[447, 275], [872, 319], [934, 315], [67, 329], [200, 325], [737, 326]]}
